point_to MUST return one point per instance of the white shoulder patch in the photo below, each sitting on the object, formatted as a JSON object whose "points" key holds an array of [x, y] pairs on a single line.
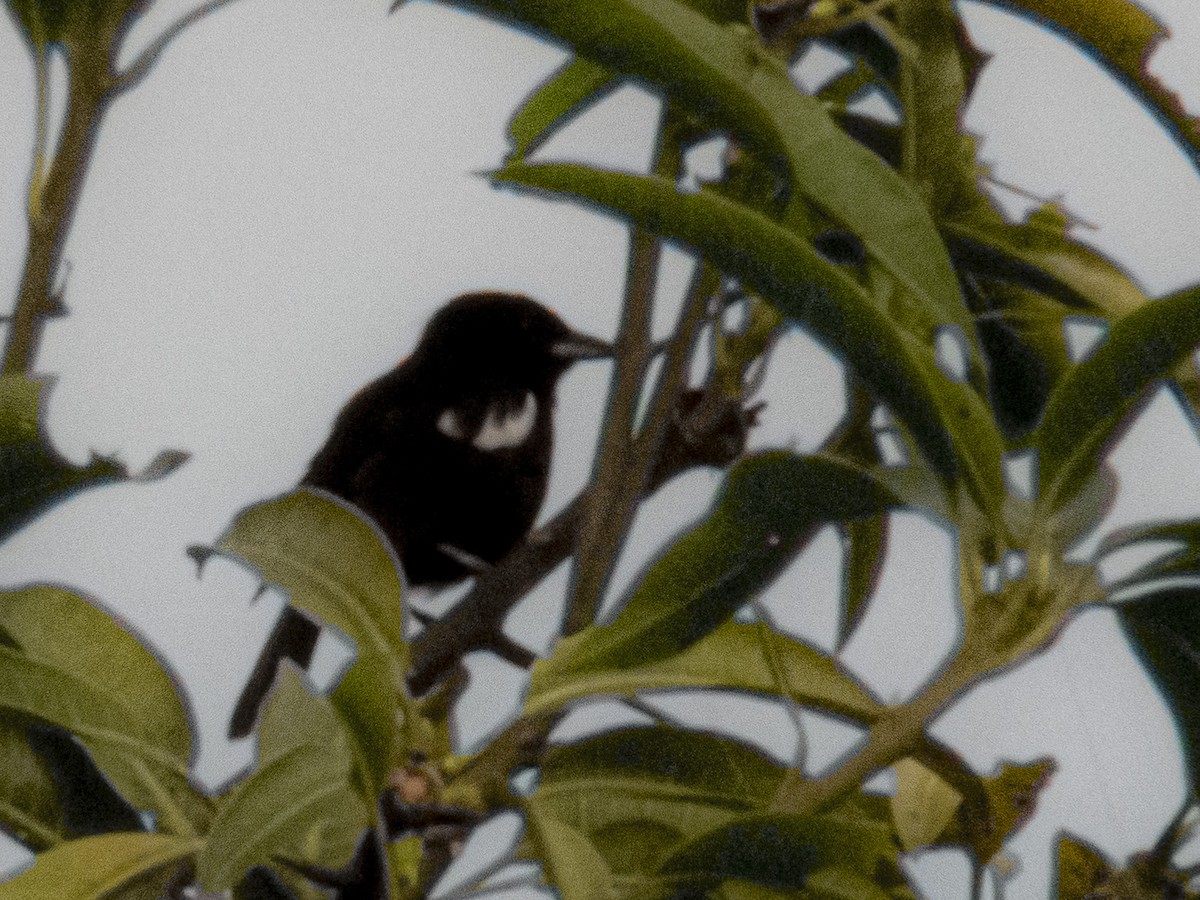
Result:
{"points": [[449, 424], [507, 428]]}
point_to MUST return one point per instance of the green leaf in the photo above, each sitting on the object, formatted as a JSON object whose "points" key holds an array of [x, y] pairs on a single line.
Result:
{"points": [[1095, 397], [32, 475], [147, 775], [1183, 560], [866, 546], [1081, 869], [334, 565], [30, 808], [734, 657], [70, 21], [70, 664], [331, 562], [949, 421], [842, 89], [634, 795], [573, 865], [44, 20], [924, 805], [942, 157], [299, 803], [775, 851], [769, 503], [836, 883], [564, 94], [64, 630], [1076, 276], [723, 73], [978, 813], [105, 867], [1163, 628], [782, 851]]}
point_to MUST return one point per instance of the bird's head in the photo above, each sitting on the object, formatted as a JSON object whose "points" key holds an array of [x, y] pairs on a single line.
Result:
{"points": [[505, 338]]}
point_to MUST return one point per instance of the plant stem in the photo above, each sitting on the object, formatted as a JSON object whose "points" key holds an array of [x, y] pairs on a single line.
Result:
{"points": [[612, 496], [52, 206], [897, 733], [54, 190]]}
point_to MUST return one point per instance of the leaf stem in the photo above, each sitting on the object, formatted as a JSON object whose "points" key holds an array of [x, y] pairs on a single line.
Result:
{"points": [[145, 62]]}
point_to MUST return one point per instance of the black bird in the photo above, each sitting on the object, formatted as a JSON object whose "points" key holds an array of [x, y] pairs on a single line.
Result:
{"points": [[449, 452]]}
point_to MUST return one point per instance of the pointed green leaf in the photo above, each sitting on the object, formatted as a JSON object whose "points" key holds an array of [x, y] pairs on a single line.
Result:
{"points": [[573, 865], [949, 421], [941, 157], [1075, 275], [299, 803], [105, 867], [70, 21], [1163, 628], [769, 504], [334, 565], [274, 810], [924, 804], [32, 475], [44, 20], [1183, 560], [866, 545], [1081, 869], [564, 94], [30, 808], [634, 795], [64, 630], [734, 657], [1085, 409], [782, 851], [72, 665], [723, 73], [147, 775]]}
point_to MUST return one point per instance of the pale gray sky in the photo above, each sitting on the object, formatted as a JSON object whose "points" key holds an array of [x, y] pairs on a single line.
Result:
{"points": [[273, 214]]}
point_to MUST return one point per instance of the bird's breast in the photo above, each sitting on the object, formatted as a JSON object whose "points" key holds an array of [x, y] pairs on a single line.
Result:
{"points": [[506, 423]]}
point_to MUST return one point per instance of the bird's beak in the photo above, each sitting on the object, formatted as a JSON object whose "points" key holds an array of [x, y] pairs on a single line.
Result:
{"points": [[577, 346]]}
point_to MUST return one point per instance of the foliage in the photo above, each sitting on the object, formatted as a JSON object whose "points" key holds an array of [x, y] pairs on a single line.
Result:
{"points": [[878, 240]]}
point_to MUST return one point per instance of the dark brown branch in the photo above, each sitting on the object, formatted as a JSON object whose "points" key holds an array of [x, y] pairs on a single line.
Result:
{"points": [[480, 615]]}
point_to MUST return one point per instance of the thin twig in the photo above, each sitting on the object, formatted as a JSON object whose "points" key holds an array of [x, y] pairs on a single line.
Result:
{"points": [[479, 616], [142, 65]]}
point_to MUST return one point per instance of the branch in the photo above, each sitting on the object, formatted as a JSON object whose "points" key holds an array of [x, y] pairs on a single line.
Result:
{"points": [[478, 618], [52, 205], [603, 523], [899, 732], [144, 63], [477, 621]]}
